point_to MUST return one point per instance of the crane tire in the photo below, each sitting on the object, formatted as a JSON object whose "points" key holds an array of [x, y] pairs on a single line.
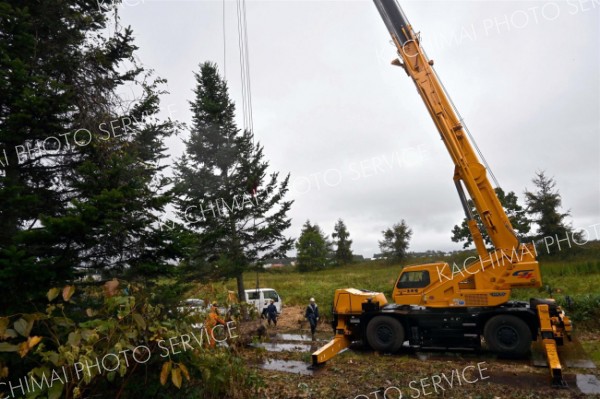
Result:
{"points": [[385, 334], [507, 335]]}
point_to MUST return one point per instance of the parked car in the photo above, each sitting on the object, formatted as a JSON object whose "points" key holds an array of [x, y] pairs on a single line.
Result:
{"points": [[260, 298], [192, 306]]}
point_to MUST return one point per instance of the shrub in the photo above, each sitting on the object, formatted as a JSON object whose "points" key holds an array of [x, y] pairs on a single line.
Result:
{"points": [[112, 342]]}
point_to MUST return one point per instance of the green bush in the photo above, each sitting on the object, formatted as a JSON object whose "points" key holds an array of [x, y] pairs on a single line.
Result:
{"points": [[112, 342], [584, 309]]}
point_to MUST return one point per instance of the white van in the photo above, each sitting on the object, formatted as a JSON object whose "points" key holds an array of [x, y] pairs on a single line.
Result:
{"points": [[260, 298]]}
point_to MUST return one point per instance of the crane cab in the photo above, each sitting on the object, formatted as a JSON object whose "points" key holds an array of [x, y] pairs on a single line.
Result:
{"points": [[414, 281]]}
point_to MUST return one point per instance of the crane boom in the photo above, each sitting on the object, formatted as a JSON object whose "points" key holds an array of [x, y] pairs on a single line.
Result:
{"points": [[468, 168], [430, 308]]}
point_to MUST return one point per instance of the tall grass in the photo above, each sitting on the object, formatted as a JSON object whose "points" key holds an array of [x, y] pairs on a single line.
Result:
{"points": [[577, 277], [578, 280], [577, 268]]}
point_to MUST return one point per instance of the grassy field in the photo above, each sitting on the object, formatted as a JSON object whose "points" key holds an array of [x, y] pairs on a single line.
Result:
{"points": [[580, 281], [576, 276], [361, 371]]}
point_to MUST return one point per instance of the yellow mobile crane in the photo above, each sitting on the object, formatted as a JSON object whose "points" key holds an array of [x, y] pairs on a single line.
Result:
{"points": [[432, 306]]}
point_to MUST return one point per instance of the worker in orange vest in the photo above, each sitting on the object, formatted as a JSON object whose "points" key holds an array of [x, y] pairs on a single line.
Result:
{"points": [[212, 321]]}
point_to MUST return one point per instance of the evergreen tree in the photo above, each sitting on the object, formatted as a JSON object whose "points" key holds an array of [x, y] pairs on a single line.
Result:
{"points": [[395, 242], [71, 196], [112, 221], [313, 248], [544, 205], [343, 253], [515, 212], [237, 212]]}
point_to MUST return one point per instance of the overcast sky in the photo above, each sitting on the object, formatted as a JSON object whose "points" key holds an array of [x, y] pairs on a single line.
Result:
{"points": [[351, 129]]}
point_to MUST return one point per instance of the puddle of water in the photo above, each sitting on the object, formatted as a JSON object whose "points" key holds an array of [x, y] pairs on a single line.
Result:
{"points": [[571, 354], [282, 347], [291, 337], [299, 337], [289, 366], [588, 383], [574, 355]]}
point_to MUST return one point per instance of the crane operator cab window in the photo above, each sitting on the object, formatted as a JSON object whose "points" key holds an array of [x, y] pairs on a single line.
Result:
{"points": [[416, 279]]}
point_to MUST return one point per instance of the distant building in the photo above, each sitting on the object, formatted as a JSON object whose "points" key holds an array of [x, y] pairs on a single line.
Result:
{"points": [[278, 263]]}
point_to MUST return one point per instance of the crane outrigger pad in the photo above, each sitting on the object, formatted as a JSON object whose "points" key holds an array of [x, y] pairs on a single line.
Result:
{"points": [[332, 348]]}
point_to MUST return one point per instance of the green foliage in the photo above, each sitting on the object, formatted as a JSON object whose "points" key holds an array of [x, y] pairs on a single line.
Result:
{"points": [[343, 252], [82, 181], [240, 310], [313, 248], [228, 376], [593, 351], [235, 212], [544, 205], [395, 242], [573, 268], [515, 212], [126, 336], [583, 308]]}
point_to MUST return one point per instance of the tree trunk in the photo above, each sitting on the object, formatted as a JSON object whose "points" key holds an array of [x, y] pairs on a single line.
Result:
{"points": [[240, 287], [10, 220], [242, 295]]}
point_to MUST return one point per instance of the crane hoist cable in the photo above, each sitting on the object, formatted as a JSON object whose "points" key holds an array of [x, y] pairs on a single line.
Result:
{"points": [[244, 65], [224, 46], [485, 163], [246, 90], [244, 58]]}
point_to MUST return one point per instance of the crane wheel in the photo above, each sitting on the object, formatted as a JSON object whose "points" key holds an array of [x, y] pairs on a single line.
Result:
{"points": [[507, 335], [385, 334]]}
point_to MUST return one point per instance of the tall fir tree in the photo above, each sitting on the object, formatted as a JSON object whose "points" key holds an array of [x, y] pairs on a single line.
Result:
{"points": [[394, 245], [343, 243], [515, 212], [544, 204], [313, 248], [72, 196], [236, 212]]}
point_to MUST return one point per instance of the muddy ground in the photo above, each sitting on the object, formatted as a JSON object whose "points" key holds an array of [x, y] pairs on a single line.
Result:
{"points": [[281, 355]]}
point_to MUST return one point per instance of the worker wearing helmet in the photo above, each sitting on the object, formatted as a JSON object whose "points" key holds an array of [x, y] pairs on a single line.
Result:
{"points": [[272, 313], [312, 315]]}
